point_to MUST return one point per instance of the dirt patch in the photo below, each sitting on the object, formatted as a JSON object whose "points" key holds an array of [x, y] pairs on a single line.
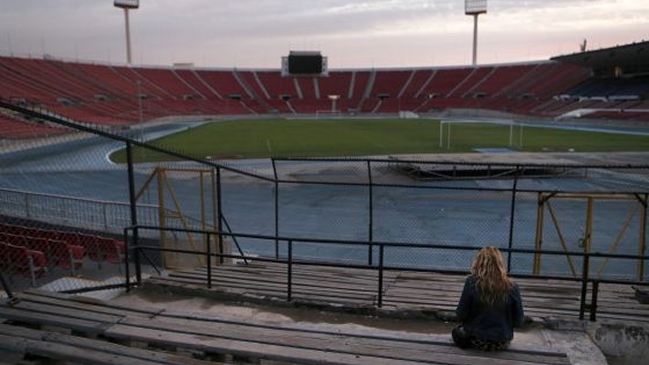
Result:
{"points": [[157, 299]]}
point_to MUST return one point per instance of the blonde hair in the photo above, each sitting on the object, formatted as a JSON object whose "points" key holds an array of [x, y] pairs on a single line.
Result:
{"points": [[492, 282]]}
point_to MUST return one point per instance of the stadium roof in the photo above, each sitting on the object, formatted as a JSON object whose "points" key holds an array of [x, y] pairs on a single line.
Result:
{"points": [[631, 59]]}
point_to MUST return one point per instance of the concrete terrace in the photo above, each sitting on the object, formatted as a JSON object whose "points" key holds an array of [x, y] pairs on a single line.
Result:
{"points": [[245, 317], [405, 294]]}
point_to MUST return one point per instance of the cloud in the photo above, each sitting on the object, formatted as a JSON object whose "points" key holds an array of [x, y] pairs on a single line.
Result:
{"points": [[352, 32]]}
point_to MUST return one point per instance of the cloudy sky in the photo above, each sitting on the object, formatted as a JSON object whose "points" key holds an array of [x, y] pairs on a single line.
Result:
{"points": [[351, 33]]}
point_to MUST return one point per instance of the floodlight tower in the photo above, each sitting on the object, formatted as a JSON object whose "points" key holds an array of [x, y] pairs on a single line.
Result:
{"points": [[127, 5], [475, 8]]}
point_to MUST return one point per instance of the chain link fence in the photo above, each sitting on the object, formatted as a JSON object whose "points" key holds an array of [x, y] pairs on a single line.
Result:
{"points": [[66, 189]]}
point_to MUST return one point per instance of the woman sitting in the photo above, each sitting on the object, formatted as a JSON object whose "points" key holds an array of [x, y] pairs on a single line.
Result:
{"points": [[490, 306]]}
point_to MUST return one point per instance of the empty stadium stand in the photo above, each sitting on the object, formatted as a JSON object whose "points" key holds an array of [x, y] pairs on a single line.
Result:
{"points": [[34, 251], [112, 95], [15, 259], [15, 127]]}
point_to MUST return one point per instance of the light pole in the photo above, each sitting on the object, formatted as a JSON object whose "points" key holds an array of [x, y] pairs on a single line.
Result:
{"points": [[475, 8], [140, 96], [127, 5]]}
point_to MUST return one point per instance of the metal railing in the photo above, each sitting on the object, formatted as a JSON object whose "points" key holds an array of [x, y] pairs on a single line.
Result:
{"points": [[377, 205], [382, 265], [72, 211]]}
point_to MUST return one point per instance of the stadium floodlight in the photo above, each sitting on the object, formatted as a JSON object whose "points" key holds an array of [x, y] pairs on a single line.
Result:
{"points": [[130, 4], [127, 5], [475, 8]]}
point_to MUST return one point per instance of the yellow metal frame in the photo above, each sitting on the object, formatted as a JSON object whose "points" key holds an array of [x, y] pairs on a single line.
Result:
{"points": [[586, 240], [164, 187]]}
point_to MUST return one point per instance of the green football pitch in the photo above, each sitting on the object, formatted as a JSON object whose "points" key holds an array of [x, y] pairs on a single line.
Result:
{"points": [[374, 137]]}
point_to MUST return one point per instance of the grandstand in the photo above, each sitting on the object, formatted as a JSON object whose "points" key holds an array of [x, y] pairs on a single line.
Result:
{"points": [[617, 89], [73, 222], [593, 83]]}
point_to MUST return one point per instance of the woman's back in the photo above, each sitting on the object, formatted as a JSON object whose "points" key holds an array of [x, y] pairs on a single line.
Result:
{"points": [[490, 305]]}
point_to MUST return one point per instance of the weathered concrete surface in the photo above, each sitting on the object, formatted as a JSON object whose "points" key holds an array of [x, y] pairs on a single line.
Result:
{"points": [[622, 343], [578, 345], [573, 339]]}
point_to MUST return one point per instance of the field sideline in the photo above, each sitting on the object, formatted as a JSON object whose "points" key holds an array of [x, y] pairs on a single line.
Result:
{"points": [[371, 137]]}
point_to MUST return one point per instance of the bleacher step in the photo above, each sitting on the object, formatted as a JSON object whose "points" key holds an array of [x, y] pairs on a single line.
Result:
{"points": [[213, 335]]}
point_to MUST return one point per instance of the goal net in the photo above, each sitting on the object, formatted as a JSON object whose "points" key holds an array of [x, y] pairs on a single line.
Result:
{"points": [[501, 133], [328, 114]]}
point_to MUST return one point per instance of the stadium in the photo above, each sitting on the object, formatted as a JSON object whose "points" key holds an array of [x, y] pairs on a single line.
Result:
{"points": [[351, 190]]}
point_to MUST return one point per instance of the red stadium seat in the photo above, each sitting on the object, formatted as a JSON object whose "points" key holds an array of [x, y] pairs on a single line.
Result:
{"points": [[65, 249], [108, 95], [20, 260]]}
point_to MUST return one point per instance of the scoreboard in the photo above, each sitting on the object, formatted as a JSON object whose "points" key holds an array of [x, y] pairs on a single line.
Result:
{"points": [[307, 63]]}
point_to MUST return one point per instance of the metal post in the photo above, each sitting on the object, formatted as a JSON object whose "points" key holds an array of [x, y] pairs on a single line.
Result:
{"points": [[371, 213], [588, 235], [104, 208], [643, 238], [593, 301], [379, 302], [127, 270], [128, 37], [201, 187], [208, 250], [512, 216], [162, 217], [140, 112], [127, 5], [289, 274], [133, 203], [584, 285], [216, 182], [475, 39], [538, 243], [276, 210]]}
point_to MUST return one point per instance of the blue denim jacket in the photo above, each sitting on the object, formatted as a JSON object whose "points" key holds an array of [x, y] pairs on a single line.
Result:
{"points": [[491, 323]]}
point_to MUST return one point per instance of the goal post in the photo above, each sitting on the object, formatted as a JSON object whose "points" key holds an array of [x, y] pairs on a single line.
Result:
{"points": [[514, 132], [328, 114]]}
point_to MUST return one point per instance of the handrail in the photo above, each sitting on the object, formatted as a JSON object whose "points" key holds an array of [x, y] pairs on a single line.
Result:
{"points": [[389, 244], [290, 260]]}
